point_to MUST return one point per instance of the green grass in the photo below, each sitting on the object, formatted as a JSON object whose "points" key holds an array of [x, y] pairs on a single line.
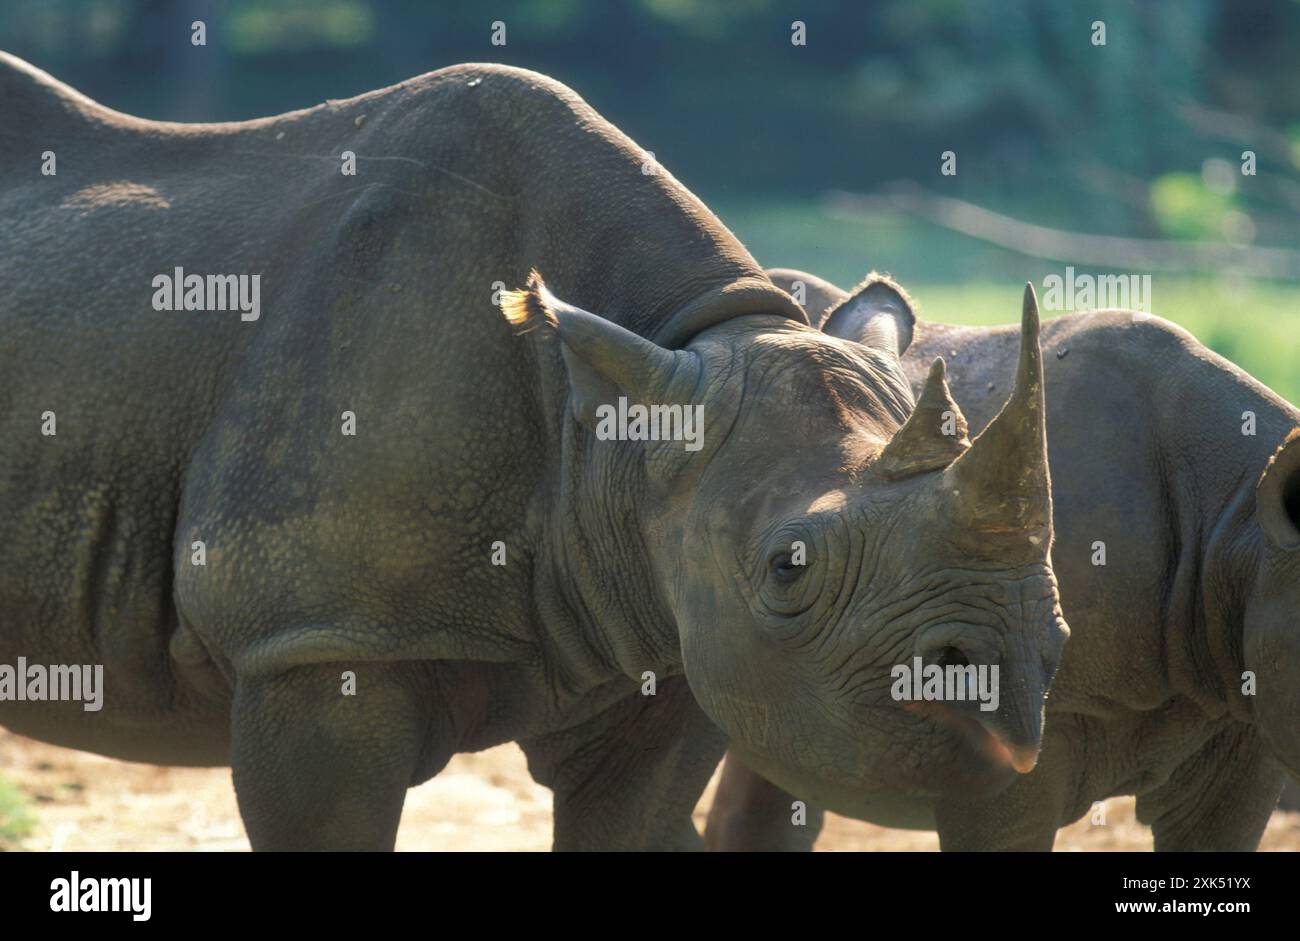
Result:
{"points": [[957, 279], [1256, 325], [15, 821]]}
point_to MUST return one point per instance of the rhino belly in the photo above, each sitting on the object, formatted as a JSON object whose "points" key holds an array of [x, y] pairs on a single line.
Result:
{"points": [[87, 515], [86, 588]]}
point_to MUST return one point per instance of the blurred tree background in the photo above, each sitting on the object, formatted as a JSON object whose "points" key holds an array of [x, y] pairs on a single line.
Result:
{"points": [[827, 155]]}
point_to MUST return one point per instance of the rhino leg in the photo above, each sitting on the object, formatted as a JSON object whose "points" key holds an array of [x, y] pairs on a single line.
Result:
{"points": [[1022, 818], [630, 778], [751, 814], [1218, 800], [317, 770]]}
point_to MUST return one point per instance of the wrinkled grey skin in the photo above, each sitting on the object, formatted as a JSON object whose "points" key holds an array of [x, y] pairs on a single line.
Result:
{"points": [[369, 554], [1202, 582], [1290, 795]]}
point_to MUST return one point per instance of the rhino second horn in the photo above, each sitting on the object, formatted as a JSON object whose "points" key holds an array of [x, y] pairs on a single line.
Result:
{"points": [[1003, 481], [934, 435]]}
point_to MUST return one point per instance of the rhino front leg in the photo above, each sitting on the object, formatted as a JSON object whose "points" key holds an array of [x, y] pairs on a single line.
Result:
{"points": [[751, 814], [1218, 800], [315, 769], [630, 778], [1023, 818]]}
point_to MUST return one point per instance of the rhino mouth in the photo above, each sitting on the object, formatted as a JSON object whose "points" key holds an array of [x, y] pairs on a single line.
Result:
{"points": [[981, 739], [972, 762]]}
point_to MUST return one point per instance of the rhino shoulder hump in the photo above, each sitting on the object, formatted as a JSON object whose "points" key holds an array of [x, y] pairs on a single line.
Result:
{"points": [[500, 89], [28, 95]]}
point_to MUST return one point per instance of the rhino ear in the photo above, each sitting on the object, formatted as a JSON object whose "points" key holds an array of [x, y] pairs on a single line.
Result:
{"points": [[877, 313], [1277, 498], [934, 435], [603, 360]]}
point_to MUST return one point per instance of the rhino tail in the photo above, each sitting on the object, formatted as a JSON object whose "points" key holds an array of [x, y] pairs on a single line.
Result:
{"points": [[527, 309]]}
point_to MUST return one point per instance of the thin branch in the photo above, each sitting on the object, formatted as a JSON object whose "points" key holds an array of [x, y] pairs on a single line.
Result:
{"points": [[1105, 251]]}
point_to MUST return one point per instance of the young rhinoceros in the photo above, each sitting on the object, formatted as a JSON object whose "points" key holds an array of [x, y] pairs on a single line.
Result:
{"points": [[1176, 482], [342, 534]]}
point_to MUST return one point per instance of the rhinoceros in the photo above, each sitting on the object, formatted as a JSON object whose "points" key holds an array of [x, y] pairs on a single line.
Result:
{"points": [[328, 503], [1176, 490]]}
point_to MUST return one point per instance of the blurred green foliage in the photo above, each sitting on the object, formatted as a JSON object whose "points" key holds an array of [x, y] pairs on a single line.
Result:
{"points": [[1184, 208], [1140, 137], [958, 279], [16, 823], [1045, 123]]}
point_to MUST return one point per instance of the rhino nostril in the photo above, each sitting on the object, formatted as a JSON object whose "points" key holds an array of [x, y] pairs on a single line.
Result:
{"points": [[951, 657]]}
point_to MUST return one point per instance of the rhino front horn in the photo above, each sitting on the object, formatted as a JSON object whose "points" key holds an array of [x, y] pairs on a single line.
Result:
{"points": [[1002, 482]]}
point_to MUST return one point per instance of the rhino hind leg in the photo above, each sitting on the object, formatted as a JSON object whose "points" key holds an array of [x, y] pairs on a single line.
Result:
{"points": [[318, 770], [751, 814], [630, 778], [1218, 800]]}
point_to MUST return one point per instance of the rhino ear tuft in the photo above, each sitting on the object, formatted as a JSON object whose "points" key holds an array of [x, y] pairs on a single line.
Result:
{"points": [[603, 360], [526, 310], [1277, 497], [877, 313], [934, 435]]}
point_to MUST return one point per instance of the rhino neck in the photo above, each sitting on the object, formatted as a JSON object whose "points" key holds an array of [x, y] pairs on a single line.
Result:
{"points": [[1232, 555], [609, 612], [1219, 505]]}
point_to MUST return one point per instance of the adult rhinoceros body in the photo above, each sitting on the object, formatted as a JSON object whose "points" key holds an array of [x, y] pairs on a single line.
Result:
{"points": [[277, 533], [1180, 577]]}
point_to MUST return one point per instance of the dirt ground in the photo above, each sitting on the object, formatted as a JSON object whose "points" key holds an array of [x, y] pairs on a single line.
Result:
{"points": [[484, 801]]}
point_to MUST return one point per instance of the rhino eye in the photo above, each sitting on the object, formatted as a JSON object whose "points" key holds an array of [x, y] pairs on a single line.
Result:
{"points": [[784, 568]]}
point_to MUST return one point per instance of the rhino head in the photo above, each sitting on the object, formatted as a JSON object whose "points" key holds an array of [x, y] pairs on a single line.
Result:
{"points": [[829, 530], [1271, 641]]}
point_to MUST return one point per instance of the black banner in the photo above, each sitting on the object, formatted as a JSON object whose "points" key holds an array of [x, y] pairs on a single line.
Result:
{"points": [[137, 891]]}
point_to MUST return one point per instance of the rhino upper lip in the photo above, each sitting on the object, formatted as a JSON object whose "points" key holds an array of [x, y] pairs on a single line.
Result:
{"points": [[1001, 751]]}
